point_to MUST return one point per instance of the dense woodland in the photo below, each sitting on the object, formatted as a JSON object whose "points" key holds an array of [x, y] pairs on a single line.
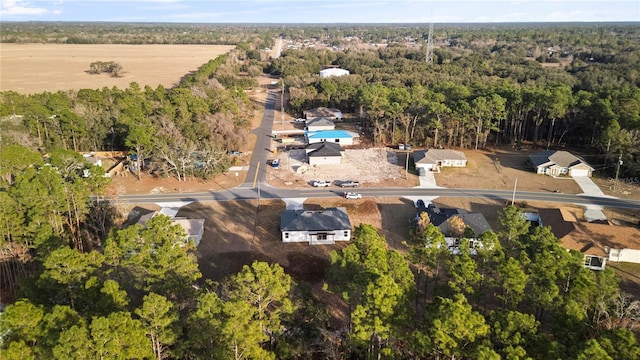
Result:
{"points": [[85, 288], [575, 88]]}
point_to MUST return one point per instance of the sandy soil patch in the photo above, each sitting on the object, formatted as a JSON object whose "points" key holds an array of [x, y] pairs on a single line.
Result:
{"points": [[35, 68]]}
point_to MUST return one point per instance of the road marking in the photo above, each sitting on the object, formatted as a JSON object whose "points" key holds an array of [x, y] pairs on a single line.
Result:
{"points": [[255, 178]]}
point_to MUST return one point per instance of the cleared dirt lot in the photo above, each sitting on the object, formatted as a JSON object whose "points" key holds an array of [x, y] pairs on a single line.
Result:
{"points": [[35, 68], [373, 167]]}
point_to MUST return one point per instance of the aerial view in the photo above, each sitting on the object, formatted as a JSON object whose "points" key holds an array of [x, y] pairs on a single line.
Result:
{"points": [[304, 179]]}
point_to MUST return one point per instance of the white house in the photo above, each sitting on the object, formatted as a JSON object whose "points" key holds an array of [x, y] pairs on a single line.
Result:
{"points": [[317, 227], [320, 124], [556, 163], [324, 153], [194, 228], [341, 137], [333, 72], [434, 159]]}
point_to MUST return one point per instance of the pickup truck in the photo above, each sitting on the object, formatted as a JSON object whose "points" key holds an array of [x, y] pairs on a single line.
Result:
{"points": [[321, 183], [349, 183]]}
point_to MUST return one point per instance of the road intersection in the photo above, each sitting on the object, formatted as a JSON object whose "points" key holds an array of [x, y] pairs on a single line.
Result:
{"points": [[256, 187]]}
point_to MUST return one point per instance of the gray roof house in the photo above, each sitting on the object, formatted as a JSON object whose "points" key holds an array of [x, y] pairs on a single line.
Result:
{"points": [[434, 159], [439, 216], [330, 113], [319, 124], [317, 227], [324, 153], [556, 163]]}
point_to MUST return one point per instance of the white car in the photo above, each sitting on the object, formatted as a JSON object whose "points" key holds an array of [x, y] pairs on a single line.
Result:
{"points": [[321, 183], [352, 195], [299, 120]]}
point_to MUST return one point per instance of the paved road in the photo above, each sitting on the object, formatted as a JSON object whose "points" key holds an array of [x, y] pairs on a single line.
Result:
{"points": [[267, 192], [256, 187], [257, 173]]}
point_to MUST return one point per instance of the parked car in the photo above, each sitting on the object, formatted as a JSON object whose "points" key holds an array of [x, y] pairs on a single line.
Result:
{"points": [[234, 153], [321, 183], [275, 163], [350, 183], [299, 120], [352, 195]]}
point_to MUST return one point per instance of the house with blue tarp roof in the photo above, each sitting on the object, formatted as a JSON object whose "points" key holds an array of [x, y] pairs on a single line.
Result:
{"points": [[341, 137]]}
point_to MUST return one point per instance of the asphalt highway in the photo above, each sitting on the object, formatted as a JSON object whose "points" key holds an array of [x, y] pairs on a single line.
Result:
{"points": [[263, 191]]}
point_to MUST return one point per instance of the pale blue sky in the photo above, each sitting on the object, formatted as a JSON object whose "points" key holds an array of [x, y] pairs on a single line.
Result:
{"points": [[314, 11]]}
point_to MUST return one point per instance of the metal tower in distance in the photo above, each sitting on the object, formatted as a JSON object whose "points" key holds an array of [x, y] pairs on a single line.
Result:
{"points": [[430, 45]]}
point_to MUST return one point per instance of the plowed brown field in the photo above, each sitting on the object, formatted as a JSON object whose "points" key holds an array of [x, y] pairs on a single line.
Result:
{"points": [[35, 68]]}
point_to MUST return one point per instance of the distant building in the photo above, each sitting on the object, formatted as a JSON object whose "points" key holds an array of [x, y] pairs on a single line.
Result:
{"points": [[323, 112], [333, 72]]}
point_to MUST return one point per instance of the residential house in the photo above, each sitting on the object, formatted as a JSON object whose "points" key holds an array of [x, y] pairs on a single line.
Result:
{"points": [[329, 113], [453, 245], [599, 242], [341, 137], [476, 222], [557, 163], [319, 124], [333, 72], [434, 159], [317, 227], [324, 153], [194, 228]]}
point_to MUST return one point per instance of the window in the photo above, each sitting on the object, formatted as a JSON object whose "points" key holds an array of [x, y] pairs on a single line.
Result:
{"points": [[286, 235], [594, 261], [321, 236], [346, 233]]}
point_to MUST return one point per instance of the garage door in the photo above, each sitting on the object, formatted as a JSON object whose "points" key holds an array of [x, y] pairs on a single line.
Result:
{"points": [[579, 172]]}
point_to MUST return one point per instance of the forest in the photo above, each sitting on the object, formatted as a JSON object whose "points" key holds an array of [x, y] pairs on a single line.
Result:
{"points": [[85, 288], [546, 88]]}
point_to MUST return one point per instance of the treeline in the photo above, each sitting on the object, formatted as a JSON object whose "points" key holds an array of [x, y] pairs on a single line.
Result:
{"points": [[140, 296], [136, 33], [181, 132], [483, 90]]}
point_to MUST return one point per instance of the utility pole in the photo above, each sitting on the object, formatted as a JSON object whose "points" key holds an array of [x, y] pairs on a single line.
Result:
{"points": [[406, 165], [282, 104], [615, 183]]}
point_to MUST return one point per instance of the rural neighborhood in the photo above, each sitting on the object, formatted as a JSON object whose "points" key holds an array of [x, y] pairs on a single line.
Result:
{"points": [[332, 191]]}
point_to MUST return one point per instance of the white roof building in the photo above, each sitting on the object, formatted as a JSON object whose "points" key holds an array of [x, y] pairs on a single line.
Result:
{"points": [[333, 72]]}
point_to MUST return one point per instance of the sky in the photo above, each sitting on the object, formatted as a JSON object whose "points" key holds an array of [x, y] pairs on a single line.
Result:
{"points": [[317, 11]]}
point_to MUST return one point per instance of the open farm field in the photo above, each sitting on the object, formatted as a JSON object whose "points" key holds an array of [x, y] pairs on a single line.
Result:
{"points": [[35, 68]]}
